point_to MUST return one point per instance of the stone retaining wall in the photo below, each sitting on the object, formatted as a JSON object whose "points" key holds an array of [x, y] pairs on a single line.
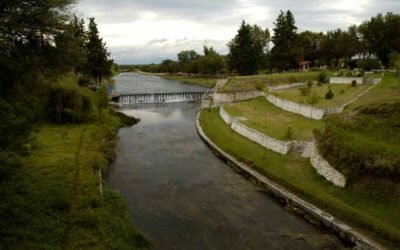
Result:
{"points": [[341, 229], [260, 138], [287, 86], [303, 110], [346, 80], [220, 98], [275, 145], [325, 169]]}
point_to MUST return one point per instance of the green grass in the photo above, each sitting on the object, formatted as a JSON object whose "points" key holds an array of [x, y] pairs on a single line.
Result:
{"points": [[208, 82], [374, 214], [250, 83], [342, 94], [273, 121], [53, 201], [387, 91], [375, 75]]}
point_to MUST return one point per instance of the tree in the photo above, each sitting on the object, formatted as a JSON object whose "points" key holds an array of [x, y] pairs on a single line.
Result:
{"points": [[380, 36], [211, 63], [284, 53], [339, 46], [309, 46], [98, 63], [188, 61], [169, 66], [246, 49]]}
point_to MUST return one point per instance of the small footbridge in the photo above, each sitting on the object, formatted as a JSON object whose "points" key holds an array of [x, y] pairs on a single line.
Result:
{"points": [[166, 97]]}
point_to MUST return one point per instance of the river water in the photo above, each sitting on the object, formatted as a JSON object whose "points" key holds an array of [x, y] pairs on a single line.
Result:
{"points": [[181, 196]]}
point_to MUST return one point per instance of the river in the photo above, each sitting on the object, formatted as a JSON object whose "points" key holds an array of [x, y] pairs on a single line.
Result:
{"points": [[181, 196]]}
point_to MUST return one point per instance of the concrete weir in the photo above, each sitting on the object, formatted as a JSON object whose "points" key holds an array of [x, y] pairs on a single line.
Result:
{"points": [[135, 98], [309, 211]]}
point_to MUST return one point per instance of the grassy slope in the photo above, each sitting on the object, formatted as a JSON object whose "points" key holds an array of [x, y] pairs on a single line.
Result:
{"points": [[195, 80], [338, 100], [386, 91], [53, 200], [374, 214], [249, 83], [273, 121]]}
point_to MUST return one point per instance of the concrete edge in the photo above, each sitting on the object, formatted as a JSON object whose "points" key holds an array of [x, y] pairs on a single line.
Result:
{"points": [[340, 228]]}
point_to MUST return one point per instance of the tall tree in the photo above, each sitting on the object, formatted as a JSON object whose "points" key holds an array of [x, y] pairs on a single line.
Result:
{"points": [[188, 61], [98, 62], [211, 63], [284, 53], [246, 49]]}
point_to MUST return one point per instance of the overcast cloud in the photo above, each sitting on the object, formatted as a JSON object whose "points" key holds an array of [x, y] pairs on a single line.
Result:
{"points": [[146, 31]]}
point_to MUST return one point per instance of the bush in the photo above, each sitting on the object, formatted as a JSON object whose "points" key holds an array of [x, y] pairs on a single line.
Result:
{"points": [[259, 85], [322, 76], [309, 83], [329, 95], [289, 133], [349, 74], [69, 104], [305, 91], [292, 79], [353, 83]]}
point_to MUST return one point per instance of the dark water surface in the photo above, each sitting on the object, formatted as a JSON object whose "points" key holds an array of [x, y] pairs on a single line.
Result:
{"points": [[181, 196]]}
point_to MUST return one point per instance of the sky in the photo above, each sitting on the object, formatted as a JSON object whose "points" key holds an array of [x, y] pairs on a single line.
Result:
{"points": [[148, 31]]}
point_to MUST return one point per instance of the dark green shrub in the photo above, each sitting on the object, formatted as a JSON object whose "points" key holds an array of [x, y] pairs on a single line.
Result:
{"points": [[289, 133], [349, 74], [69, 104], [83, 81], [329, 95], [292, 79], [259, 85], [322, 76], [309, 83], [354, 83], [304, 91]]}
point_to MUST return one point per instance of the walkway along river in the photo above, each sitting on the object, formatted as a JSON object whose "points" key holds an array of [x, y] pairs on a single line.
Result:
{"points": [[181, 196]]}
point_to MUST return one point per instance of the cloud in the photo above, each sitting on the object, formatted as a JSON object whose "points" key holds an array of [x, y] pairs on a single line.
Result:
{"points": [[144, 31]]}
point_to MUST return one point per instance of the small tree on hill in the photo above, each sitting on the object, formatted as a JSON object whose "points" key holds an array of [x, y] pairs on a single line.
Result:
{"points": [[313, 99]]}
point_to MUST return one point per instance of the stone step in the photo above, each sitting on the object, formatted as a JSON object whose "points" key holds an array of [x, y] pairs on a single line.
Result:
{"points": [[307, 151]]}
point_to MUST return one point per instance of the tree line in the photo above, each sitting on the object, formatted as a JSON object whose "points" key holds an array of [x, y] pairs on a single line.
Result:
{"points": [[42, 43], [370, 45]]}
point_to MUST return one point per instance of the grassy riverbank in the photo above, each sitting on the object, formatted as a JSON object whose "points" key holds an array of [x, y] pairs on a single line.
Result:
{"points": [[372, 213], [53, 199], [204, 81]]}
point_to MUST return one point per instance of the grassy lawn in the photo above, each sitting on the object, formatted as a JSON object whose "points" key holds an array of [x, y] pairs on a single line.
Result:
{"points": [[273, 121], [53, 200], [342, 94], [374, 214], [388, 90], [375, 75], [195, 80], [250, 83]]}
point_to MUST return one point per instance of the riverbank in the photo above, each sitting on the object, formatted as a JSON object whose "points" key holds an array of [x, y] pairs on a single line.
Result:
{"points": [[372, 214], [56, 198], [208, 82]]}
